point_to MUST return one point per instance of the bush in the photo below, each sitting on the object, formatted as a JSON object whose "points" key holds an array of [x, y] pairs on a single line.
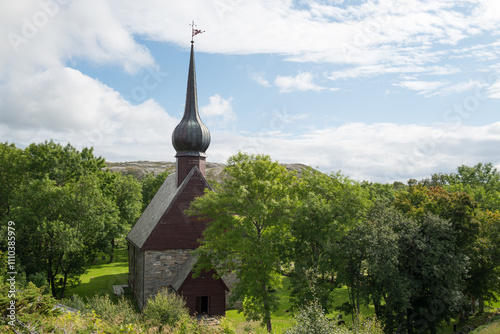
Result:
{"points": [[311, 319], [166, 308], [115, 315]]}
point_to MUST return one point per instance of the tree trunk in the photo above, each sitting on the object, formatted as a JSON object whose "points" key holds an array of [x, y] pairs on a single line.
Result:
{"points": [[64, 285], [267, 312], [51, 279], [269, 326], [112, 250]]}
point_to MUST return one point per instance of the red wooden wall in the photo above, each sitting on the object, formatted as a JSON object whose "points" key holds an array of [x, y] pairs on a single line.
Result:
{"points": [[175, 230], [200, 286]]}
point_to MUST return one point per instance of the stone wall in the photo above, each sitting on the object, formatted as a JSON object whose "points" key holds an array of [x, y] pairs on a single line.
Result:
{"points": [[160, 268], [230, 280]]}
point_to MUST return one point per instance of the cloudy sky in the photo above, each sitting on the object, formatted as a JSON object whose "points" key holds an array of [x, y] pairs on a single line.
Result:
{"points": [[380, 90]]}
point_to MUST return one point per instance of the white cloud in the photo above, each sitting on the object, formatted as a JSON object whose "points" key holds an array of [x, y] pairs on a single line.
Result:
{"points": [[41, 34], [219, 111], [494, 90], [68, 106], [426, 88], [442, 88], [302, 81], [259, 78], [45, 98], [381, 69], [383, 152], [461, 87]]}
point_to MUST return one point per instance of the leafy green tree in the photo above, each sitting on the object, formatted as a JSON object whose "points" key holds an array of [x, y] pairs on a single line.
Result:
{"points": [[482, 282], [457, 207], [482, 183], [62, 164], [412, 271], [249, 214], [150, 186], [12, 173], [67, 208], [461, 210], [126, 194], [329, 205], [381, 192], [61, 229]]}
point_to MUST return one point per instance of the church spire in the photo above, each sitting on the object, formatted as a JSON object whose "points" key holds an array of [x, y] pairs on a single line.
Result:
{"points": [[191, 137]]}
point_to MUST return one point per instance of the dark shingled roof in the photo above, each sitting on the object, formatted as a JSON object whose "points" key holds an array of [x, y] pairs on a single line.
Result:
{"points": [[183, 273], [160, 204]]}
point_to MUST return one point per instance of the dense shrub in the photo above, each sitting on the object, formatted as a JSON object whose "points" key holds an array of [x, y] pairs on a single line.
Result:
{"points": [[166, 308], [116, 314], [311, 319]]}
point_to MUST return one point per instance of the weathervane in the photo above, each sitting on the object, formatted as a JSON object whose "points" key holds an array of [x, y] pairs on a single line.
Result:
{"points": [[194, 31]]}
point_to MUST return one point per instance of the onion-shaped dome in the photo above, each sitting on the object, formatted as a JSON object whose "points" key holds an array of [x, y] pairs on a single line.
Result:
{"points": [[191, 137]]}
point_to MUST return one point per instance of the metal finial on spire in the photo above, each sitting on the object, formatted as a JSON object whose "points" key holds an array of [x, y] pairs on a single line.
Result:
{"points": [[194, 31]]}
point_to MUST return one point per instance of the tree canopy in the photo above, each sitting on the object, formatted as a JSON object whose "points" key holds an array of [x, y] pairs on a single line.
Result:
{"points": [[247, 230], [67, 207]]}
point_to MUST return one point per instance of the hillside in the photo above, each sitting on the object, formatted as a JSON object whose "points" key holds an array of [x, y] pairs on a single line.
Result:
{"points": [[215, 171]]}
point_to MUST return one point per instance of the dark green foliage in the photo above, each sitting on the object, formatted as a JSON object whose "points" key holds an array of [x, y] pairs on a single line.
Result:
{"points": [[410, 270], [12, 172], [329, 205], [150, 186], [66, 207], [60, 229]]}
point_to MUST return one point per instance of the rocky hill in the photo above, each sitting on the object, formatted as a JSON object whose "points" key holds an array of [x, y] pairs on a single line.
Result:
{"points": [[215, 171]]}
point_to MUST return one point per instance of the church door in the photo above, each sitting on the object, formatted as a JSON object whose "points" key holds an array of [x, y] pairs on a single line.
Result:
{"points": [[202, 305]]}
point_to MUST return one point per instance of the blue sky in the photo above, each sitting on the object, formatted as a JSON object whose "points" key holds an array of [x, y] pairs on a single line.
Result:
{"points": [[380, 90]]}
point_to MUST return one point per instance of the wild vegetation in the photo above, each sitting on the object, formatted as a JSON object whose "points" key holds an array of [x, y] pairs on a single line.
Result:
{"points": [[418, 254], [421, 254]]}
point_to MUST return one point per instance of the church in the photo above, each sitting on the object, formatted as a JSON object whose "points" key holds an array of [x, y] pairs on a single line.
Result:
{"points": [[161, 241]]}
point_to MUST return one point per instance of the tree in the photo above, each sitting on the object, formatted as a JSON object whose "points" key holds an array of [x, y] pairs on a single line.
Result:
{"points": [[482, 283], [328, 206], [12, 172], [410, 269], [248, 216], [61, 164], [126, 194], [462, 211], [61, 228], [66, 206], [150, 186]]}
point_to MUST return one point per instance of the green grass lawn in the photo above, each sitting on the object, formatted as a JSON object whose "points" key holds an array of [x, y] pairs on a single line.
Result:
{"points": [[101, 276]]}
